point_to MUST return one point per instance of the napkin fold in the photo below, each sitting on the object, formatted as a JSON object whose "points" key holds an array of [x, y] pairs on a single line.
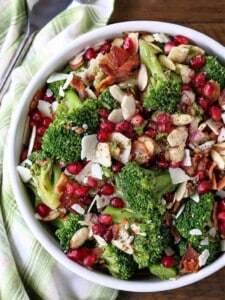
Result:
{"points": [[27, 271]]}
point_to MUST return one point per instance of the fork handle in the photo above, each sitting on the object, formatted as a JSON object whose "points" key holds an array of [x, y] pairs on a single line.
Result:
{"points": [[15, 61]]}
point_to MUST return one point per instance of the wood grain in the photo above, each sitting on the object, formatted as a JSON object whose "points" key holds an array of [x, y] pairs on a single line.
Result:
{"points": [[207, 17]]}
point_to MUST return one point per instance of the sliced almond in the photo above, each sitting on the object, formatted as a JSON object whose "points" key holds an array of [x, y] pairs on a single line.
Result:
{"points": [[198, 50], [88, 146], [117, 42], [212, 125], [125, 145], [181, 119], [179, 54], [142, 79], [149, 144], [185, 72], [177, 136], [188, 97], [148, 38], [218, 159], [161, 37], [167, 62], [117, 93], [128, 106], [180, 192], [90, 93], [24, 173], [77, 61], [116, 115], [102, 155], [221, 136], [176, 154], [79, 237]]}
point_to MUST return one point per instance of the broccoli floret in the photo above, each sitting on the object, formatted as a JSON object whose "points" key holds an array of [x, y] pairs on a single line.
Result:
{"points": [[43, 182], [61, 141], [118, 263], [106, 100], [55, 86], [143, 188], [66, 230], [163, 92], [119, 214], [214, 70], [195, 216], [38, 155]]}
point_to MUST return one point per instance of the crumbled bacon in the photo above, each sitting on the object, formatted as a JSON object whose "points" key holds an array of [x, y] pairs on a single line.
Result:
{"points": [[109, 80], [189, 261], [79, 86], [37, 96]]}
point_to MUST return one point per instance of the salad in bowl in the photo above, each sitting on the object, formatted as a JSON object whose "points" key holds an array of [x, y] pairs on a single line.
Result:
{"points": [[124, 156]]}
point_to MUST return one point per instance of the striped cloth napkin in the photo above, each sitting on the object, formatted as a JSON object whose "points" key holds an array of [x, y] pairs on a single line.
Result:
{"points": [[27, 271]]}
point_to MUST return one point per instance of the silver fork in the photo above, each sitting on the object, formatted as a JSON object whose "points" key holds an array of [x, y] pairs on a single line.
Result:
{"points": [[38, 15]]}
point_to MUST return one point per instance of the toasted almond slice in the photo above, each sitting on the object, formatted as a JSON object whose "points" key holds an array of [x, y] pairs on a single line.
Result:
{"points": [[24, 173], [128, 106], [212, 125], [180, 192], [211, 170], [142, 79], [125, 145], [88, 146], [221, 136], [117, 93], [217, 158], [45, 108], [102, 155], [177, 136], [90, 93], [148, 38], [116, 115], [176, 153], [198, 50], [185, 72], [181, 119], [79, 237], [168, 63], [179, 54], [149, 144], [161, 37]]}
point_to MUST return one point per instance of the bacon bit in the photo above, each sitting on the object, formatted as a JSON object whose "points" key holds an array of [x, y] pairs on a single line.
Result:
{"points": [[203, 163], [175, 233], [168, 219], [97, 252], [79, 86], [211, 170], [37, 96], [75, 66], [115, 231], [79, 130], [176, 206], [214, 182], [126, 69], [63, 180], [221, 184], [189, 261], [109, 80]]}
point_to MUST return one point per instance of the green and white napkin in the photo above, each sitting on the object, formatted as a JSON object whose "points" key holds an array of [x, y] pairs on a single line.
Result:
{"points": [[27, 271]]}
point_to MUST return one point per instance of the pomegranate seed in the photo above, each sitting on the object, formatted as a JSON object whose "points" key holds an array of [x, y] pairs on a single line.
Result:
{"points": [[99, 229], [176, 164], [169, 197], [211, 90], [107, 125], [103, 113], [37, 146], [197, 62], [128, 44], [48, 96], [215, 113], [43, 210], [163, 164], [74, 168], [82, 191], [198, 80], [46, 122], [137, 120], [85, 200], [203, 102], [107, 189], [221, 216], [180, 39], [103, 136], [79, 254], [92, 182], [221, 205], [201, 175], [41, 130], [116, 168], [105, 219], [105, 48], [23, 155], [108, 236], [168, 261], [185, 87], [163, 118], [70, 188], [168, 46], [164, 128], [117, 202], [221, 226], [122, 126], [36, 116], [90, 53], [151, 132], [204, 187], [90, 260]]}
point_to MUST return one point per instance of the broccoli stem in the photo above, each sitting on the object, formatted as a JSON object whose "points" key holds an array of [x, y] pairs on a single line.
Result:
{"points": [[73, 100]]}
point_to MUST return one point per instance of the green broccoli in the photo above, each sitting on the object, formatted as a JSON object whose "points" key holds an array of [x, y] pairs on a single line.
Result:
{"points": [[119, 214], [163, 93], [118, 263], [106, 100], [196, 216], [38, 155], [66, 229], [143, 188], [43, 182], [55, 87], [163, 272], [214, 70], [61, 141]]}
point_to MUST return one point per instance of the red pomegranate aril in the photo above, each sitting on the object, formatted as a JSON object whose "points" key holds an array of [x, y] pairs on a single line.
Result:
{"points": [[204, 187], [163, 118], [36, 116], [128, 44], [185, 87], [221, 205], [43, 210], [163, 164], [23, 155], [215, 113], [41, 130], [221, 216], [103, 113], [168, 261], [164, 128], [180, 39], [105, 219], [70, 188], [203, 102], [151, 132], [37, 146], [168, 46], [90, 53], [92, 182], [107, 189], [116, 168], [79, 254], [122, 126], [103, 136], [48, 96], [90, 260], [198, 80], [221, 226], [105, 48], [108, 236], [99, 229], [169, 197], [211, 90], [201, 175], [46, 121], [117, 202], [74, 168], [107, 125], [137, 120], [197, 62], [176, 164], [82, 191], [85, 200]]}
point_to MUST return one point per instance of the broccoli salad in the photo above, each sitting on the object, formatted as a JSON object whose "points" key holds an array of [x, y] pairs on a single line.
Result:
{"points": [[124, 156]]}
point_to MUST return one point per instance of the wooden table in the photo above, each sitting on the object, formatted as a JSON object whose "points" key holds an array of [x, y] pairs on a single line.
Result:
{"points": [[208, 17]]}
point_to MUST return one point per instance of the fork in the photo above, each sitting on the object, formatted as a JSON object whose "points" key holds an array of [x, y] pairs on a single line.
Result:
{"points": [[38, 15]]}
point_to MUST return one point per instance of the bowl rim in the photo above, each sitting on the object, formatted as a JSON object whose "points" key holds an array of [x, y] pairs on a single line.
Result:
{"points": [[39, 232]]}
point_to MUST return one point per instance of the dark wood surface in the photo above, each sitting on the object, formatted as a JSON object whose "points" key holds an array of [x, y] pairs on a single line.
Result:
{"points": [[208, 17]]}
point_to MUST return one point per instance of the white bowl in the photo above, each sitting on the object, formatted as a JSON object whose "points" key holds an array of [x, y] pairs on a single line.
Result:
{"points": [[16, 131]]}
